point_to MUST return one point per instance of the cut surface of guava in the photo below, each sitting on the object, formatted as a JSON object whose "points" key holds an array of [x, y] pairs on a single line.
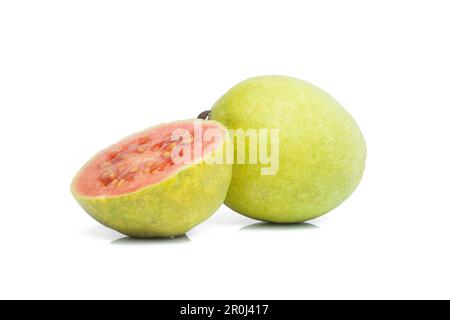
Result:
{"points": [[143, 159]]}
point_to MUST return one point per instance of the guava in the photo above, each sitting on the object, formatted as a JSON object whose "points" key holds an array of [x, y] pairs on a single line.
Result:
{"points": [[146, 186], [321, 149]]}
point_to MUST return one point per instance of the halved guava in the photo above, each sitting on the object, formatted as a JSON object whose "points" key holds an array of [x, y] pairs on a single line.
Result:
{"points": [[160, 182]]}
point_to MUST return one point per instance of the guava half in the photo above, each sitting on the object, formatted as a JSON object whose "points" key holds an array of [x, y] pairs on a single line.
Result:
{"points": [[321, 149], [160, 182]]}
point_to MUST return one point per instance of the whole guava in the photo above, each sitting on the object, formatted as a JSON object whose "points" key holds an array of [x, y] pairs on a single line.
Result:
{"points": [[321, 149]]}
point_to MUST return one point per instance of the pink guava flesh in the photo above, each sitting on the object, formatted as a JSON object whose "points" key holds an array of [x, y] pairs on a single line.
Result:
{"points": [[145, 158]]}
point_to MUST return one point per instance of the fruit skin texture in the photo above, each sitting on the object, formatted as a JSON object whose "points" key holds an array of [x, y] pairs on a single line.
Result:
{"points": [[169, 208], [322, 151]]}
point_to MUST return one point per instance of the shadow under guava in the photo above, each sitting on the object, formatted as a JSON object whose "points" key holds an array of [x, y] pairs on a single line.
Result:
{"points": [[149, 241], [101, 232], [269, 226]]}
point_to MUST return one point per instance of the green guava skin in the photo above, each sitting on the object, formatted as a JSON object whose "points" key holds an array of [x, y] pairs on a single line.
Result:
{"points": [[169, 208], [322, 150]]}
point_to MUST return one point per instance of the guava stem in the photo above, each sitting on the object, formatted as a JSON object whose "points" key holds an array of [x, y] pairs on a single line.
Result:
{"points": [[204, 115]]}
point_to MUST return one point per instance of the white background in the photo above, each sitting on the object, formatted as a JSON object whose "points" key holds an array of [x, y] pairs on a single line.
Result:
{"points": [[75, 76]]}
